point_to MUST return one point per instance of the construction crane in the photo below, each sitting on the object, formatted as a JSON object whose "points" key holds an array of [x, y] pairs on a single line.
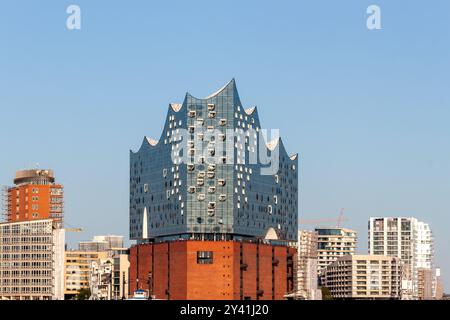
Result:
{"points": [[76, 230], [339, 220]]}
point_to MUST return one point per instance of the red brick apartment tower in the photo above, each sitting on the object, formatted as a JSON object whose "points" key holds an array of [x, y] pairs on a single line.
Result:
{"points": [[215, 225], [35, 196]]}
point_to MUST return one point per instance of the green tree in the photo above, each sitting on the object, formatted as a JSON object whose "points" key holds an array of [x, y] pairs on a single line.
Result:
{"points": [[326, 294], [84, 294]]}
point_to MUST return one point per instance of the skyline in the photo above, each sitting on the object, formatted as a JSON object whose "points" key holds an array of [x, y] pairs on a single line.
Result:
{"points": [[369, 108]]}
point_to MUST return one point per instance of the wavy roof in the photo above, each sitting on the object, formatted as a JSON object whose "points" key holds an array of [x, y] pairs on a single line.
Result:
{"points": [[177, 107]]}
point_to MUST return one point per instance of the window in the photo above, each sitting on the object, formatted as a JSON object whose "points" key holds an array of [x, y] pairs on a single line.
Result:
{"points": [[205, 257], [146, 188], [211, 106], [192, 113]]}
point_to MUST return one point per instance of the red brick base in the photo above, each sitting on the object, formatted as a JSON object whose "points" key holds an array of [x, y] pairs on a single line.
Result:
{"points": [[239, 270]]}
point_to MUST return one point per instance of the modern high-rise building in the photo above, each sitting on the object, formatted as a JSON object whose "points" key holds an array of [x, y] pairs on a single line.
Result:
{"points": [[333, 243], [406, 238], [211, 176], [364, 277], [35, 196], [214, 181], [31, 260], [439, 288], [307, 277]]}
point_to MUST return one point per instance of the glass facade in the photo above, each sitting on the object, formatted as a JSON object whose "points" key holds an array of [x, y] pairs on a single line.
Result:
{"points": [[209, 189]]}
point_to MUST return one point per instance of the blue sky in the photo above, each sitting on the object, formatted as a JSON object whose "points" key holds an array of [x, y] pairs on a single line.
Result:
{"points": [[368, 111]]}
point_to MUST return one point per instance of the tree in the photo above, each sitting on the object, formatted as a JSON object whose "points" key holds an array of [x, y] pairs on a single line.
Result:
{"points": [[84, 294], [326, 294]]}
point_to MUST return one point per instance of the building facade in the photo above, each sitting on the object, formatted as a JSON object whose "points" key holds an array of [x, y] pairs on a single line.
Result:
{"points": [[101, 243], [77, 266], [216, 201], [333, 243], [406, 238], [307, 277], [31, 260], [210, 176], [35, 196], [425, 284], [212, 270], [364, 277], [108, 278]]}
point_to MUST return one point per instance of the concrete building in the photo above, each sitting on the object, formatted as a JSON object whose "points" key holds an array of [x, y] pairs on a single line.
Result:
{"points": [[35, 196], [364, 277], [213, 177], [406, 238], [31, 260], [307, 277], [333, 243]]}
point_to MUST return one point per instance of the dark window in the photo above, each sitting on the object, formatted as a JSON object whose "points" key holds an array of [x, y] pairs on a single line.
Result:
{"points": [[205, 257]]}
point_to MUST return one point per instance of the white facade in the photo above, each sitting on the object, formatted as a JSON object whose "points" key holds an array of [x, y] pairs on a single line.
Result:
{"points": [[32, 260], [406, 238], [307, 278]]}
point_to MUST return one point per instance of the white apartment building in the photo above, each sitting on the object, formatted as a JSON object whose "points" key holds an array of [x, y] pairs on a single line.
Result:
{"points": [[406, 238], [332, 244], [32, 260], [364, 277]]}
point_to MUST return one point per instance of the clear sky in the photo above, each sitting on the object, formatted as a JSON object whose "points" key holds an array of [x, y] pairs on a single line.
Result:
{"points": [[368, 111]]}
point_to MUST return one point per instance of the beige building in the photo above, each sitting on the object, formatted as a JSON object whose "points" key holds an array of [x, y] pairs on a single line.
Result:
{"points": [[32, 260], [77, 270], [425, 284], [307, 288], [332, 244], [439, 290], [364, 277]]}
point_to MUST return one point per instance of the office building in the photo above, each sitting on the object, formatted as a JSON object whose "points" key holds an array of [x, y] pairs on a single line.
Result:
{"points": [[406, 238], [210, 193], [31, 260], [333, 243], [364, 277]]}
